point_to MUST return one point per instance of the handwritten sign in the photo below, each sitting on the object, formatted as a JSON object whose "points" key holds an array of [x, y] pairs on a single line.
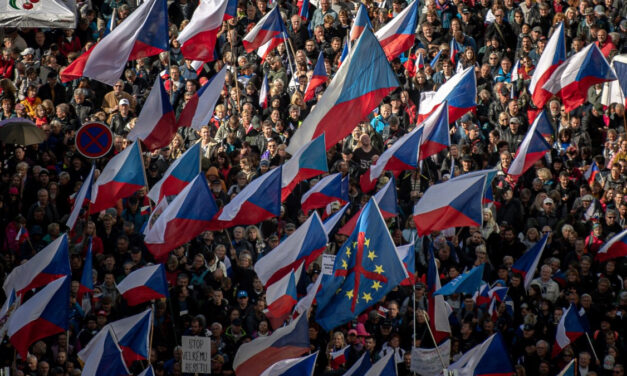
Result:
{"points": [[426, 362], [196, 355], [327, 264]]}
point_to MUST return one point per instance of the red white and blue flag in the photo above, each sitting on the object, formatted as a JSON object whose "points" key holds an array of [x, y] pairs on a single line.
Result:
{"points": [[438, 308], [407, 254], [199, 109], [304, 245], [122, 176], [591, 173], [309, 161], [281, 297], [319, 77], [264, 93], [83, 196], [361, 22], [198, 38], [568, 330], [143, 33], [106, 359], [532, 148], [398, 35], [156, 124], [339, 357], [22, 235], [297, 366], [269, 28], [459, 92], [87, 280], [571, 80], [144, 284], [553, 55], [614, 248], [43, 315], [345, 52], [527, 264], [356, 89], [180, 173], [303, 9], [616, 91], [490, 358], [185, 217], [231, 10], [329, 189], [456, 49], [386, 200]]}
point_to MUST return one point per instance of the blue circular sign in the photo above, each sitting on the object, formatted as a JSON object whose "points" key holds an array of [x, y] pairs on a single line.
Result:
{"points": [[94, 140]]}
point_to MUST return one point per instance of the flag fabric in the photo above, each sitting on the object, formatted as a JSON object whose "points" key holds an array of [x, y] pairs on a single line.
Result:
{"points": [[438, 309], [122, 176], [304, 245], [616, 91], [8, 307], [186, 216], [329, 189], [435, 60], [293, 367], [303, 9], [156, 124], [454, 203], [46, 313], [366, 268], [281, 297], [554, 55], [289, 341], [407, 254], [111, 24], [616, 247], [264, 93], [198, 38], [144, 284], [155, 213], [398, 35], [22, 235], [571, 80], [361, 21], [333, 220], [345, 52], [83, 195], [591, 173], [309, 161], [515, 73], [305, 303], [456, 49], [269, 28], [142, 34], [106, 359], [459, 92], [435, 135], [318, 78], [231, 10], [199, 109], [87, 279], [491, 357], [49, 264], [356, 89], [258, 201], [361, 366], [386, 201], [386, 366], [464, 283], [569, 369], [568, 330], [339, 357], [132, 334], [532, 148], [178, 175], [527, 264]]}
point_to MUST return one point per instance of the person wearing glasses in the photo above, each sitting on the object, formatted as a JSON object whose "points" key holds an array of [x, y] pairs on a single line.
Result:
{"points": [[110, 103]]}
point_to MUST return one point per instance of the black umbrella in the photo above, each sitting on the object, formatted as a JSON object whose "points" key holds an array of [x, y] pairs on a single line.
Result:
{"points": [[21, 131]]}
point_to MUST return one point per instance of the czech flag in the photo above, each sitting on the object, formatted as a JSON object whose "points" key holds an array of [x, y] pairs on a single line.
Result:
{"points": [[459, 92], [198, 38], [49, 264], [467, 283], [156, 124], [106, 359], [339, 357], [144, 284], [309, 161], [407, 254], [132, 333], [414, 63], [591, 173], [361, 22], [319, 77], [43, 315], [22, 235], [330, 223], [281, 297], [199, 109], [616, 91], [398, 35], [269, 28], [87, 279], [329, 189], [297, 366], [264, 93], [361, 366], [435, 60], [183, 219], [454, 203], [122, 176], [384, 366], [303, 9], [568, 330], [356, 89], [532, 148], [569, 370], [345, 52], [83, 195], [143, 33], [553, 55], [491, 357], [289, 341], [616, 247], [456, 48], [386, 200], [258, 201], [305, 245], [180, 173], [571, 80], [231, 9], [438, 308]]}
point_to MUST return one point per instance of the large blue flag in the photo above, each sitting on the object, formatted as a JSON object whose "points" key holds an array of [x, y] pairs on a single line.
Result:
{"points": [[467, 283], [366, 268]]}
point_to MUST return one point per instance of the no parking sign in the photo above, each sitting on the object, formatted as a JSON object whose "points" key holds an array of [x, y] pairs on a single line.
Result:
{"points": [[94, 140]]}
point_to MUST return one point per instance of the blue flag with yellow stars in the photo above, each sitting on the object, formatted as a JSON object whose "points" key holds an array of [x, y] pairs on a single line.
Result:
{"points": [[366, 268]]}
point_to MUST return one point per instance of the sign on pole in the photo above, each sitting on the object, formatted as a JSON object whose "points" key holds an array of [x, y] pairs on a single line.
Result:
{"points": [[426, 362], [94, 140], [196, 355]]}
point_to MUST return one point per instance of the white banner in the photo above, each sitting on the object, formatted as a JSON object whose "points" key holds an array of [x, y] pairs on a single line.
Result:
{"points": [[196, 355], [426, 362], [327, 264]]}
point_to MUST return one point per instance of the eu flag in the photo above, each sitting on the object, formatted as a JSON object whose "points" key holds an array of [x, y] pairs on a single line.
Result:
{"points": [[366, 268]]}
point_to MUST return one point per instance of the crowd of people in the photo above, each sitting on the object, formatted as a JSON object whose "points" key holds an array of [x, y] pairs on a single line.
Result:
{"points": [[214, 290]]}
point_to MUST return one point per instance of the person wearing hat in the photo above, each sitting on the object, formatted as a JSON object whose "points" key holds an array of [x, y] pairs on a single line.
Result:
{"points": [[111, 100], [120, 121], [513, 135], [502, 30], [52, 89]]}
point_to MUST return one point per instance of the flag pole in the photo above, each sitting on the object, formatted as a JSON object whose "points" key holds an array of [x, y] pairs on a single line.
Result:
{"points": [[287, 50], [433, 338], [414, 303], [145, 176], [234, 55], [592, 347]]}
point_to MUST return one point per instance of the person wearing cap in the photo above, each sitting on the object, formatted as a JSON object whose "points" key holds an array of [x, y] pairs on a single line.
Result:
{"points": [[111, 100], [513, 135], [121, 119]]}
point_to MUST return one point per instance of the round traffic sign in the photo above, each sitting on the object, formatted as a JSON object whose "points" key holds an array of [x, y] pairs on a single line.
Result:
{"points": [[94, 140]]}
